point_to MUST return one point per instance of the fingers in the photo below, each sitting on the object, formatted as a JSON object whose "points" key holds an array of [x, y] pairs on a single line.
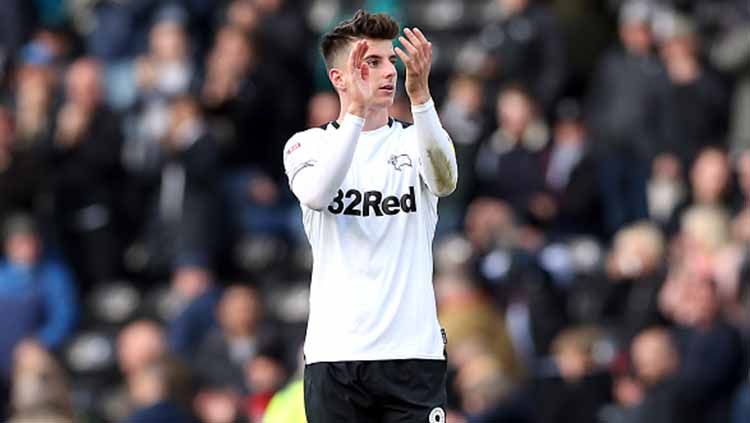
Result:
{"points": [[420, 50], [357, 55]]}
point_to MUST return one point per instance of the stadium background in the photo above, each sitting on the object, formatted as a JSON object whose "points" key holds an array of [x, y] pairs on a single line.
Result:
{"points": [[592, 265]]}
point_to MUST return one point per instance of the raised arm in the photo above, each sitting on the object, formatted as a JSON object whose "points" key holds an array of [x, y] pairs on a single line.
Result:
{"points": [[439, 168], [316, 170]]}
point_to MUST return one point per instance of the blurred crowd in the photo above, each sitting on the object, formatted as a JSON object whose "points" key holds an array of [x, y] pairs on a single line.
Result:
{"points": [[593, 264]]}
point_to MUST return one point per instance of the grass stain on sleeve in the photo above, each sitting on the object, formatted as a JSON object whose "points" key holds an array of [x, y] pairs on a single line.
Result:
{"points": [[442, 168]]}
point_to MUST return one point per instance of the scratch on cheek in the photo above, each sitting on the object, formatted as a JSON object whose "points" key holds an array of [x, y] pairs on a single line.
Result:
{"points": [[443, 174]]}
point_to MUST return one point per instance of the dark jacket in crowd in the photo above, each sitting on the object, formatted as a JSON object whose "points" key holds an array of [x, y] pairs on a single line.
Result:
{"points": [[698, 114], [627, 106], [163, 412], [529, 47], [709, 372]]}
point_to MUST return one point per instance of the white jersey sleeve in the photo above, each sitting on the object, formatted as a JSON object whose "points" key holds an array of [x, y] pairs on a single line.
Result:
{"points": [[438, 166], [323, 163]]}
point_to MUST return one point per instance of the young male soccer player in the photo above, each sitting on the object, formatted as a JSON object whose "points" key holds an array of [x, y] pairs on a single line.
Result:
{"points": [[368, 186]]}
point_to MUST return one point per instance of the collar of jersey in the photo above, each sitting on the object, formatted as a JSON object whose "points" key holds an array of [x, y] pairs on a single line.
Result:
{"points": [[389, 125]]}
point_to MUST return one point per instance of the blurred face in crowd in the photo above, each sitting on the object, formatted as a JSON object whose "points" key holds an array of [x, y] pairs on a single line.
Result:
{"points": [[168, 41], [710, 176], [191, 281], [244, 14], [511, 7], [569, 132], [701, 301], [680, 47], [654, 356], [467, 92], [138, 345], [33, 88], [514, 112], [636, 37], [381, 60], [23, 248], [239, 311], [83, 83], [485, 219], [264, 374], [232, 52], [322, 108]]}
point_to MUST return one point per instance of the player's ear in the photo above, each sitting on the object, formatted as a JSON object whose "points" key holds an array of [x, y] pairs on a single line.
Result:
{"points": [[337, 79]]}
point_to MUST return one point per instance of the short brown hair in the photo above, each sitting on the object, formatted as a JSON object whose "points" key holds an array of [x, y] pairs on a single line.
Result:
{"points": [[377, 26]]}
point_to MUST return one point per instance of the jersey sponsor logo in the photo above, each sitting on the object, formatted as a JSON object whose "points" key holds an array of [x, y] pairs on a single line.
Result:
{"points": [[437, 415], [372, 203], [293, 147], [400, 161]]}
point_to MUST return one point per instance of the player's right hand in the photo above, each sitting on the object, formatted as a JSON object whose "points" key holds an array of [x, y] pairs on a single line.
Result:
{"points": [[357, 81]]}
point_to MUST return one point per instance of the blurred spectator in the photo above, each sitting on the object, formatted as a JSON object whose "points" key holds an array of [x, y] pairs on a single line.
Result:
{"points": [[483, 388], [33, 104], [243, 101], [37, 294], [698, 107], [711, 350], [570, 203], [197, 296], [710, 184], [656, 362], [322, 108], [582, 388], [216, 405], [634, 271], [509, 162], [20, 170], [162, 73], [84, 152], [40, 389], [155, 393], [731, 54], [242, 334], [15, 23], [181, 223], [463, 118], [525, 44], [474, 325], [264, 375], [138, 344], [627, 116]]}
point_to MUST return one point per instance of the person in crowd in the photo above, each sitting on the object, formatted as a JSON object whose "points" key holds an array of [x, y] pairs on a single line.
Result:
{"points": [[85, 173], [698, 103], [581, 388], [656, 361], [509, 162], [155, 393], [37, 294], [181, 223], [634, 273], [626, 112], [710, 349], [21, 170], [570, 202], [534, 55], [197, 294], [241, 335]]}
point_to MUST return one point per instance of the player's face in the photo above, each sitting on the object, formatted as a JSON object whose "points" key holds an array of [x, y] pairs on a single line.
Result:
{"points": [[381, 59]]}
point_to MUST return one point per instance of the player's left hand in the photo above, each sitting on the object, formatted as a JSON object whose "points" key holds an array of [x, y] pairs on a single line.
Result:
{"points": [[418, 63]]}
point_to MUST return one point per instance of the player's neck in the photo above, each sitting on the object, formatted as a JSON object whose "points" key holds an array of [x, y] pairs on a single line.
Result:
{"points": [[374, 118]]}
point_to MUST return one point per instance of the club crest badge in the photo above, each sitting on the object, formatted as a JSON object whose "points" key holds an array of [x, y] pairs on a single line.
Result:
{"points": [[400, 161]]}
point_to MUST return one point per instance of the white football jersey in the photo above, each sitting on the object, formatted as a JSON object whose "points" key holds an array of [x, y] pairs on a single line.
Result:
{"points": [[371, 296]]}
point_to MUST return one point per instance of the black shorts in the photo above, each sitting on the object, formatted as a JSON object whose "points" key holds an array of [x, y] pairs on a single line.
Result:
{"points": [[376, 391]]}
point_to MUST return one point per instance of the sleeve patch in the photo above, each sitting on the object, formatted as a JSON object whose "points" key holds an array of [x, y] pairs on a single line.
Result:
{"points": [[292, 148]]}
